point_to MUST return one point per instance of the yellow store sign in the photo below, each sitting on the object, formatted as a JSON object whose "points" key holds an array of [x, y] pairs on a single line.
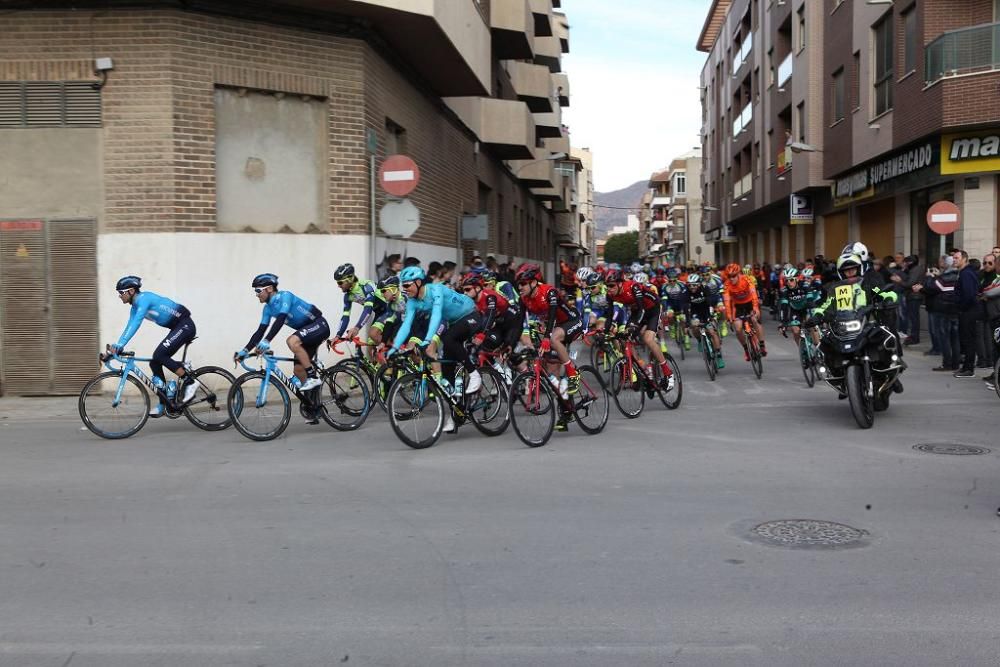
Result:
{"points": [[969, 153]]}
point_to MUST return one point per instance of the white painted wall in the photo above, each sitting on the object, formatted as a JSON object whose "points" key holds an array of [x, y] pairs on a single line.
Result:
{"points": [[211, 274], [979, 215]]}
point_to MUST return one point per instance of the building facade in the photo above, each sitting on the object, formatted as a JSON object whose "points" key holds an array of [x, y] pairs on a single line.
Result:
{"points": [[830, 121], [197, 145], [672, 213]]}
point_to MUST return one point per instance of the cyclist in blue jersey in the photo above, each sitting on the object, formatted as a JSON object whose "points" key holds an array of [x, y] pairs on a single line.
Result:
{"points": [[311, 328], [169, 315], [456, 311]]}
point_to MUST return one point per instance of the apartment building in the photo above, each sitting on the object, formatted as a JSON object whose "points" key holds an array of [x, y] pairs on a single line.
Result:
{"points": [[585, 201], [825, 121], [198, 144], [673, 225]]}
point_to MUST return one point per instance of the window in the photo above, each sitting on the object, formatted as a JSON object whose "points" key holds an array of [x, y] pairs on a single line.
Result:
{"points": [[802, 28], [680, 185], [756, 152], [838, 95], [910, 40], [395, 138], [882, 71], [800, 116], [770, 67], [856, 82], [49, 104]]}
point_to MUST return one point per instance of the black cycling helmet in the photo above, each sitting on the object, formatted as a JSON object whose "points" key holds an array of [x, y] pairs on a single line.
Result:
{"points": [[129, 282], [614, 276], [472, 279], [528, 272], [389, 281], [594, 279], [343, 272], [265, 280]]}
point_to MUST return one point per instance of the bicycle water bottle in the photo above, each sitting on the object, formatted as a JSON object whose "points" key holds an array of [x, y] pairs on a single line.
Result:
{"points": [[158, 383], [459, 384], [296, 382], [171, 388]]}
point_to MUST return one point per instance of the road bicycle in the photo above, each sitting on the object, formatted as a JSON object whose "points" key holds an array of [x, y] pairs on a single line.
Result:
{"points": [[418, 402], [604, 352], [708, 352], [752, 345], [115, 404], [678, 333], [538, 401], [635, 377], [379, 372], [260, 406], [809, 357]]}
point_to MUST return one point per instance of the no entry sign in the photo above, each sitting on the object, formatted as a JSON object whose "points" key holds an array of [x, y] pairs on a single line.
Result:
{"points": [[944, 218], [399, 175]]}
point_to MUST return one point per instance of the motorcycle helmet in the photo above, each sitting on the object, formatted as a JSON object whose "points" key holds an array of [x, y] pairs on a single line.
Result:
{"points": [[848, 261]]}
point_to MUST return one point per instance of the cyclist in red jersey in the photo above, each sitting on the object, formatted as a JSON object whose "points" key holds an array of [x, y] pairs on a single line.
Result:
{"points": [[501, 325], [561, 323], [644, 304]]}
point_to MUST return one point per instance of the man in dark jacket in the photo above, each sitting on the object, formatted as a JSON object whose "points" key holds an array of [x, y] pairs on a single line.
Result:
{"points": [[943, 308], [911, 274], [968, 291]]}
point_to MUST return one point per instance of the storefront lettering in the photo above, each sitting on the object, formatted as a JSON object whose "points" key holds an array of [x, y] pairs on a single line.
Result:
{"points": [[880, 172], [975, 147]]}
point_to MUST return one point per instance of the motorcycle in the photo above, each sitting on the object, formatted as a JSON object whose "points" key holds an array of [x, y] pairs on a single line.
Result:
{"points": [[860, 359]]}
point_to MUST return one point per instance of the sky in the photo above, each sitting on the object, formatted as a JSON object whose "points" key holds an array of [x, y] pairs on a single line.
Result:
{"points": [[633, 75]]}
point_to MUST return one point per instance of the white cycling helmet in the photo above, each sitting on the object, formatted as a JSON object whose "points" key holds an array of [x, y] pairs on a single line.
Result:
{"points": [[636, 267], [640, 278], [858, 248], [583, 273]]}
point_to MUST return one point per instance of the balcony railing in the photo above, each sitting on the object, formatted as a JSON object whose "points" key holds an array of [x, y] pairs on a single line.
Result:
{"points": [[743, 186], [741, 54], [785, 70], [743, 120], [975, 49]]}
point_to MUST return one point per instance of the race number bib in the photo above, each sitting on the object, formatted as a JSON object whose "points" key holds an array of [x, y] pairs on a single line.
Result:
{"points": [[845, 297]]}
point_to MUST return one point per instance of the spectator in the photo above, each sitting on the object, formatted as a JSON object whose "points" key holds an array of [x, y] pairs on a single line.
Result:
{"points": [[411, 261], [911, 274], [968, 291], [395, 264], [447, 272], [943, 309], [434, 272], [491, 263]]}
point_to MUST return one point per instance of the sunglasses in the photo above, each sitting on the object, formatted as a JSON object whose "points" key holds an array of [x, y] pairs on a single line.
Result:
{"points": [[522, 283], [407, 285], [343, 283], [468, 289], [123, 292], [987, 263], [611, 285], [258, 290]]}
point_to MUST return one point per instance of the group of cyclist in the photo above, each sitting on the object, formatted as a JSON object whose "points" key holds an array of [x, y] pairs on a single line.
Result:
{"points": [[408, 309]]}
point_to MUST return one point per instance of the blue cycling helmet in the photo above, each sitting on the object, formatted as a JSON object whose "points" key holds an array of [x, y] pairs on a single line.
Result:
{"points": [[411, 273], [672, 273], [128, 282], [594, 279], [265, 280], [389, 281]]}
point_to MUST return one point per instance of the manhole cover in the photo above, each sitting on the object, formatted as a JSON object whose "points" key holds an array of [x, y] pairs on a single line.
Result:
{"points": [[808, 533], [951, 448]]}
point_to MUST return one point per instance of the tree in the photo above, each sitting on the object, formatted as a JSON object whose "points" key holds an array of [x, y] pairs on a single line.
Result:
{"points": [[622, 248]]}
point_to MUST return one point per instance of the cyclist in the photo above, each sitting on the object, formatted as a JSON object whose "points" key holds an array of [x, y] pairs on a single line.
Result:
{"points": [[701, 312], [795, 300], [673, 300], [355, 290], [740, 298], [508, 291], [386, 324], [169, 315], [501, 323], [453, 317], [560, 323], [644, 304], [311, 328]]}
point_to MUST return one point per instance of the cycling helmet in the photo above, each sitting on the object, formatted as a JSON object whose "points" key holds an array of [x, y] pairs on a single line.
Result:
{"points": [[672, 273], [529, 272], [640, 278], [488, 276], [389, 282], [636, 267], [265, 280], [858, 248], [747, 269], [694, 280], [848, 261], [411, 273], [129, 282], [732, 270], [613, 276], [472, 279], [807, 272], [583, 273], [343, 272], [594, 279], [791, 273], [705, 268]]}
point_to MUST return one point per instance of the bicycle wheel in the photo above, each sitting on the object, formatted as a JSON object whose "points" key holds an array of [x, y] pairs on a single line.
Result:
{"points": [[996, 377], [603, 359], [108, 419], [386, 376], [416, 410], [672, 398], [532, 408], [344, 398], [207, 410], [679, 338], [487, 408], [591, 403], [708, 354], [361, 371], [755, 359], [260, 412], [626, 387], [805, 357]]}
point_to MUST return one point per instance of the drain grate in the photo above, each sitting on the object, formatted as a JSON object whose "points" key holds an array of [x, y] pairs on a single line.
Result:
{"points": [[808, 533], [951, 448]]}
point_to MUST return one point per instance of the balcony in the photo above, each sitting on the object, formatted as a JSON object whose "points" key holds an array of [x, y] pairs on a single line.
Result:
{"points": [[542, 11], [740, 55], [558, 144], [504, 126], [785, 70], [536, 172], [548, 53], [743, 186], [561, 30], [963, 51], [661, 224], [549, 125], [561, 83], [532, 84], [660, 201], [743, 120], [512, 26], [459, 62]]}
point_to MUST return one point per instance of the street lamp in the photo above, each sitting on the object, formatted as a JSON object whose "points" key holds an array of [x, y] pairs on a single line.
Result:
{"points": [[554, 156], [801, 147]]}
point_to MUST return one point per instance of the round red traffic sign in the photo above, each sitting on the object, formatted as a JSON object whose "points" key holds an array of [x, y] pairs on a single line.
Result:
{"points": [[944, 218], [399, 175]]}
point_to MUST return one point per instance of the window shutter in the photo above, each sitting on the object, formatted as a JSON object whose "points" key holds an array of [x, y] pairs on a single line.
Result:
{"points": [[49, 104], [83, 104], [23, 301], [43, 104], [11, 104]]}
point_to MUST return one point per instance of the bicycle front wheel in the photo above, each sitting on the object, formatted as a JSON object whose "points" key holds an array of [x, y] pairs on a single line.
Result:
{"points": [[627, 389], [679, 338], [591, 403], [416, 410], [260, 411], [671, 398], [386, 376], [207, 410], [708, 353], [532, 408], [113, 407], [756, 362], [487, 408], [344, 398], [805, 356]]}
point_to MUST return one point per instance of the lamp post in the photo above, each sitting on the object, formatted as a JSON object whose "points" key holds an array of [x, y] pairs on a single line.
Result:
{"points": [[554, 156]]}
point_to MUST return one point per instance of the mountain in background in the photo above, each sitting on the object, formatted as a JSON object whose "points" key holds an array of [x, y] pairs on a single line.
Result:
{"points": [[606, 218]]}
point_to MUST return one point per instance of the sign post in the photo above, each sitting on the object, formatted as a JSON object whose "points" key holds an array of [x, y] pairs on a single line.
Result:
{"points": [[944, 218]]}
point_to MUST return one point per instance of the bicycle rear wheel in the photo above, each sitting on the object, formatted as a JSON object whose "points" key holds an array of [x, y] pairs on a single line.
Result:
{"points": [[487, 408], [626, 387], [416, 411], [591, 404], [344, 398], [708, 354], [386, 376], [108, 419], [679, 338], [532, 408], [805, 358], [207, 410], [259, 411]]}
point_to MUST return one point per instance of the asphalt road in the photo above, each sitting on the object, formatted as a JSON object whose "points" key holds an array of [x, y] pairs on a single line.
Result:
{"points": [[633, 547]]}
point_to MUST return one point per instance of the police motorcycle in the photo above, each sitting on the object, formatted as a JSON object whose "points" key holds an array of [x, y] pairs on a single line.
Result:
{"points": [[860, 356]]}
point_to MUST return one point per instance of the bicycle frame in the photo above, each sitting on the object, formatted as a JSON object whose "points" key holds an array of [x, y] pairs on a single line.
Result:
{"points": [[129, 367], [271, 368]]}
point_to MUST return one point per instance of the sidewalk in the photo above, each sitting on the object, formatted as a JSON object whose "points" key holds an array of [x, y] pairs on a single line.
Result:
{"points": [[38, 407]]}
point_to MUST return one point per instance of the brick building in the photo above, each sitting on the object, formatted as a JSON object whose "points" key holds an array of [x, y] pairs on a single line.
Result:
{"points": [[828, 121], [197, 144]]}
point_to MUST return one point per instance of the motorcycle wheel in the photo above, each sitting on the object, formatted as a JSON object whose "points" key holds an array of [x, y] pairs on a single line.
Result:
{"points": [[857, 395]]}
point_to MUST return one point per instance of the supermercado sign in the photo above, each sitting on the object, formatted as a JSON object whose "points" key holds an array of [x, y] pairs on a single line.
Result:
{"points": [[970, 152], [862, 183]]}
